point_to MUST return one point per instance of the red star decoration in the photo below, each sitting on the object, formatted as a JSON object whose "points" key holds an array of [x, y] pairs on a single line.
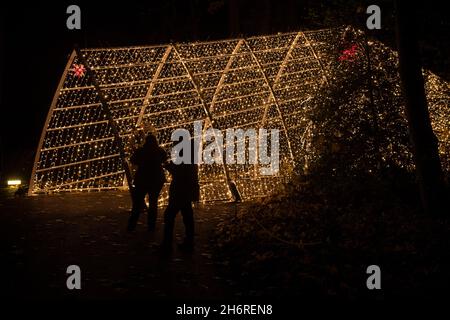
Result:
{"points": [[349, 54], [79, 70]]}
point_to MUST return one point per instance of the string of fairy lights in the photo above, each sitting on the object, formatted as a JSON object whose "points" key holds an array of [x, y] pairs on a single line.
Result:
{"points": [[262, 82]]}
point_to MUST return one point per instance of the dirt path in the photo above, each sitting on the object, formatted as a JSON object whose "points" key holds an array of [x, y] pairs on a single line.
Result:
{"points": [[41, 236]]}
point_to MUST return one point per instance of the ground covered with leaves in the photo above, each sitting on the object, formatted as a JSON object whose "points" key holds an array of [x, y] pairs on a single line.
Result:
{"points": [[317, 236]]}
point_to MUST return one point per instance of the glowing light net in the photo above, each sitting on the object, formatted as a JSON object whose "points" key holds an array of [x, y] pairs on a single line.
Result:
{"points": [[261, 82]]}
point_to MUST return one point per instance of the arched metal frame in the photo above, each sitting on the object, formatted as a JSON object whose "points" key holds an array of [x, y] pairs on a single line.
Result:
{"points": [[205, 108], [208, 108], [47, 120], [152, 84]]}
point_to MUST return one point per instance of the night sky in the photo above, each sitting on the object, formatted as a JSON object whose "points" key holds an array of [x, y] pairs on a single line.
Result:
{"points": [[35, 45]]}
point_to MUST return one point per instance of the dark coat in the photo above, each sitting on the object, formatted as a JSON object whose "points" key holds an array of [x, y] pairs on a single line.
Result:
{"points": [[149, 160]]}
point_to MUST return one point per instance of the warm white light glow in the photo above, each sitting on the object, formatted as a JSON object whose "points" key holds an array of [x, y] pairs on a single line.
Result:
{"points": [[14, 182], [293, 82]]}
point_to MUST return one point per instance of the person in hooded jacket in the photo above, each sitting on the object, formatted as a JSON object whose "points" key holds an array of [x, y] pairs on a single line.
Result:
{"points": [[149, 179]]}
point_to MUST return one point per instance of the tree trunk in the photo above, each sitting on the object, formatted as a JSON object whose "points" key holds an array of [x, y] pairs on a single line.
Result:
{"points": [[424, 142]]}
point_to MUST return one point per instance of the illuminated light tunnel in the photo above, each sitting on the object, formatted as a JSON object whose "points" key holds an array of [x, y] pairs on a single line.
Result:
{"points": [[267, 82]]}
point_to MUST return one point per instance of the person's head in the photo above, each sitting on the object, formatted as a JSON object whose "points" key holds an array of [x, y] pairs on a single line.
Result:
{"points": [[150, 141]]}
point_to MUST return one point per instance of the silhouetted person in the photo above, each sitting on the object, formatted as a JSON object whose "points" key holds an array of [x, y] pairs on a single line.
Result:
{"points": [[149, 179], [184, 189]]}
